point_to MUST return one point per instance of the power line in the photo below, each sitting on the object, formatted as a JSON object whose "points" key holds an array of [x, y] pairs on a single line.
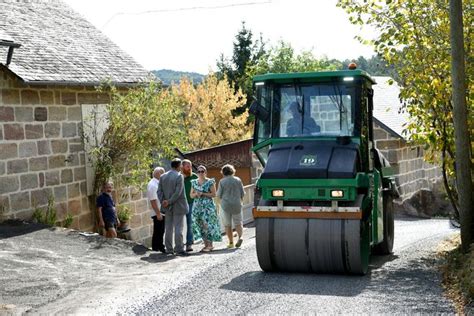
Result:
{"points": [[186, 9]]}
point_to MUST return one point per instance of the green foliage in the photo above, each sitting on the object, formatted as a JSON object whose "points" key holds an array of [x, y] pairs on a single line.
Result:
{"points": [[124, 213], [147, 123], [2, 211], [68, 220], [246, 52], [143, 124], [242, 50], [282, 58], [375, 66], [48, 216], [413, 36], [168, 76], [252, 57], [38, 215]]}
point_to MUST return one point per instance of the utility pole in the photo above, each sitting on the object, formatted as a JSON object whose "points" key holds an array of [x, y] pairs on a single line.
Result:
{"points": [[461, 131]]}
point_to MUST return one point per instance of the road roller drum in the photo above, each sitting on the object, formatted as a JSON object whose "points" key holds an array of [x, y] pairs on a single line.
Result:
{"points": [[312, 245]]}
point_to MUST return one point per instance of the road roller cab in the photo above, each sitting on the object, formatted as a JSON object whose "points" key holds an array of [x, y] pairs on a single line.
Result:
{"points": [[324, 199]]}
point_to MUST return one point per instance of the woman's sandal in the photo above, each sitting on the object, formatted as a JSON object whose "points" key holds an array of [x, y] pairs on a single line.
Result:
{"points": [[207, 249]]}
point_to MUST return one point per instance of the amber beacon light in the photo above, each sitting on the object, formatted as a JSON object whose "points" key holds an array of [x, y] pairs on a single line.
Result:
{"points": [[352, 66]]}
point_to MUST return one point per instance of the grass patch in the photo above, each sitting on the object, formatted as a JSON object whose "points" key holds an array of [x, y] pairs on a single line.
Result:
{"points": [[68, 220], [458, 274], [48, 216]]}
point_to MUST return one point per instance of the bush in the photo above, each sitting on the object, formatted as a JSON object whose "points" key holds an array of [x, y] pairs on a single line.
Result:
{"points": [[124, 213], [68, 220]]}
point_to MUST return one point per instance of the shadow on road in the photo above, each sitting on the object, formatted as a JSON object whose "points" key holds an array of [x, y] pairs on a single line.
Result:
{"points": [[407, 218], [222, 251], [389, 279], [161, 257], [139, 250], [378, 261], [295, 283], [14, 228], [310, 284], [158, 257]]}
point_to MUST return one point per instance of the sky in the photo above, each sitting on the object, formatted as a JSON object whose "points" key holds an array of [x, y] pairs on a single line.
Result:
{"points": [[190, 35]]}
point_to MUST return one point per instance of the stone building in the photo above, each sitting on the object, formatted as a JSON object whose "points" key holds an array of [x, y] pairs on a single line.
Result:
{"points": [[414, 176], [51, 60]]}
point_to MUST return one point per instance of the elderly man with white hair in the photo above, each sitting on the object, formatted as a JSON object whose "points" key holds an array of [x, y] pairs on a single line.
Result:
{"points": [[156, 214]]}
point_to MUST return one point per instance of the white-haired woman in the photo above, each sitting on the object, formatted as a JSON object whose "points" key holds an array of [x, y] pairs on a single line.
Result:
{"points": [[231, 192]]}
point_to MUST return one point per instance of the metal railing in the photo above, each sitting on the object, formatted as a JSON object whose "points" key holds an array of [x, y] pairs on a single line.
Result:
{"points": [[247, 205]]}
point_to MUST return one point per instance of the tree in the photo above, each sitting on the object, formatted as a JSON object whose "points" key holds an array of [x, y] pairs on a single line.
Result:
{"points": [[463, 162], [208, 112], [242, 50], [137, 122], [246, 51], [282, 59], [413, 35]]}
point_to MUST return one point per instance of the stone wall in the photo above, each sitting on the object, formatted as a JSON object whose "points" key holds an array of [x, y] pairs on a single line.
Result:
{"points": [[141, 223], [411, 171], [42, 154]]}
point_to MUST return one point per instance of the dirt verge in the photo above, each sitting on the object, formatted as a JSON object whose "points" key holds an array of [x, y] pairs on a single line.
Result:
{"points": [[458, 274]]}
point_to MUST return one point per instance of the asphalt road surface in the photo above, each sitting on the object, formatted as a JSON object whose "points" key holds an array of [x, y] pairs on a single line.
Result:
{"points": [[58, 271], [406, 282]]}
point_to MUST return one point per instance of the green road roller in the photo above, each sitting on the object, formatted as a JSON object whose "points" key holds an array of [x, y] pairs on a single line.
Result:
{"points": [[324, 201]]}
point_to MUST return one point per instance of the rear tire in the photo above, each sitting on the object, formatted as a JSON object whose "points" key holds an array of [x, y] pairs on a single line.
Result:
{"points": [[386, 246], [264, 240]]}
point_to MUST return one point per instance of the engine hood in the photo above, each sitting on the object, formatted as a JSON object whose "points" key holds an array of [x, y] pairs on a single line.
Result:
{"points": [[312, 160]]}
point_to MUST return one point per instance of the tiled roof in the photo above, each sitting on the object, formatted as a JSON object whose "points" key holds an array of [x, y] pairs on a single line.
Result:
{"points": [[387, 106], [59, 45]]}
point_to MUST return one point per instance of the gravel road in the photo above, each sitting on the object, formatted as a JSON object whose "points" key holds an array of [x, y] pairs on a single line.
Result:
{"points": [[58, 271], [405, 282]]}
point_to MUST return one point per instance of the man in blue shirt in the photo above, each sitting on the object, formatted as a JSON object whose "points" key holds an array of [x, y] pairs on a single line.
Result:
{"points": [[106, 211]]}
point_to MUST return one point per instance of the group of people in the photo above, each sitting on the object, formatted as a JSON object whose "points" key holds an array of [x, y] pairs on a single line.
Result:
{"points": [[180, 193]]}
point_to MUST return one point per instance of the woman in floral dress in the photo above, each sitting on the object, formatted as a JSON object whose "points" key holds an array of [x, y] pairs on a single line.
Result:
{"points": [[205, 220]]}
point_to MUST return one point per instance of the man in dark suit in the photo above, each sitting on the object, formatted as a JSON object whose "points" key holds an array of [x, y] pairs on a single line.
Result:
{"points": [[173, 202]]}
